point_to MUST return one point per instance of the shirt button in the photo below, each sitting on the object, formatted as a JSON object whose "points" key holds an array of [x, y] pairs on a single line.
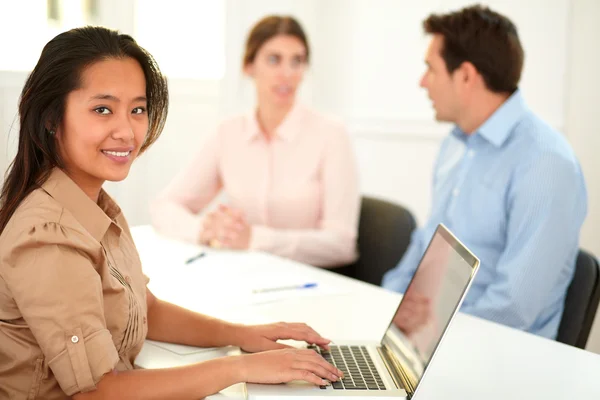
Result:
{"points": [[128, 279], [471, 153], [455, 192], [145, 320], [74, 339]]}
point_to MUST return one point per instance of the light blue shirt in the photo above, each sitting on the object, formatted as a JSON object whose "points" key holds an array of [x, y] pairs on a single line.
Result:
{"points": [[514, 194]]}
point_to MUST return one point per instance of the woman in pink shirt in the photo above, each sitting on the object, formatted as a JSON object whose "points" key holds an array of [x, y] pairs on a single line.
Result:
{"points": [[289, 172]]}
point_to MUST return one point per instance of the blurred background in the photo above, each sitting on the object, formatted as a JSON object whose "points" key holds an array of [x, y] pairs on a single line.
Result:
{"points": [[366, 62]]}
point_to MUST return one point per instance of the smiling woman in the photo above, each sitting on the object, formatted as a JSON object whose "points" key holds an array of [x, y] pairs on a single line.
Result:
{"points": [[74, 306], [60, 125], [105, 123]]}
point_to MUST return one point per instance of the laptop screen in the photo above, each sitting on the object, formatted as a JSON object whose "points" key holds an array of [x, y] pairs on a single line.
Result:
{"points": [[431, 299]]}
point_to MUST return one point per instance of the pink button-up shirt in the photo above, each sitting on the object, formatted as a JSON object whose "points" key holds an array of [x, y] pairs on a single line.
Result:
{"points": [[299, 190]]}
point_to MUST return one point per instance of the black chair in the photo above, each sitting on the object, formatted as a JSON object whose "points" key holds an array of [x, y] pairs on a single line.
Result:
{"points": [[383, 236], [581, 302]]}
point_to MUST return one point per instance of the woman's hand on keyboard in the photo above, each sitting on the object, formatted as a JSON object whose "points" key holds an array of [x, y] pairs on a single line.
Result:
{"points": [[255, 338], [280, 366]]}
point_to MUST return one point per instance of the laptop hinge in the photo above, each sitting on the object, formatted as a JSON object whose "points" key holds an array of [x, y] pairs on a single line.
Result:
{"points": [[396, 370]]}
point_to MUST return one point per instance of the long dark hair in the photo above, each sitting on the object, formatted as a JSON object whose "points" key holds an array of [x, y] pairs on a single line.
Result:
{"points": [[42, 104]]}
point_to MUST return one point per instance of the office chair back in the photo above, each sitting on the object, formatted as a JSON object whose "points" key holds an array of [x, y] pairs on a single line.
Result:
{"points": [[383, 236], [581, 302]]}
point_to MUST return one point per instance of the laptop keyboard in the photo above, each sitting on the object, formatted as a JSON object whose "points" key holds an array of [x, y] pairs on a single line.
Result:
{"points": [[356, 364]]}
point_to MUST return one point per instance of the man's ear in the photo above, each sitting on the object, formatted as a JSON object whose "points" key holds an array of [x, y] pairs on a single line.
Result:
{"points": [[468, 73]]}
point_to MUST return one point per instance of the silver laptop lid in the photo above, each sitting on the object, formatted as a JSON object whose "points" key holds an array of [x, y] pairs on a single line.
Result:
{"points": [[432, 298]]}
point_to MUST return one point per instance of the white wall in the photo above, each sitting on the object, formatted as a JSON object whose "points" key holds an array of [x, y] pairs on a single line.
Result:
{"points": [[366, 63], [11, 84], [581, 111]]}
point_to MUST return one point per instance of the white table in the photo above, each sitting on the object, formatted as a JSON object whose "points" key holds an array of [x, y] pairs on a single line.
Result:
{"points": [[477, 359]]}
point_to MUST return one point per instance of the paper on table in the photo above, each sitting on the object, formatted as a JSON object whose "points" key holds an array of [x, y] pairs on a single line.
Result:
{"points": [[180, 349], [164, 355], [167, 355]]}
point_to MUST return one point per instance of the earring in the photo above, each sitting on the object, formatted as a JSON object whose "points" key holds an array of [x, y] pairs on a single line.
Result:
{"points": [[51, 132]]}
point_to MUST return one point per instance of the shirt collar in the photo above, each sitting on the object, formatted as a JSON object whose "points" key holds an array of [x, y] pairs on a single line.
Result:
{"points": [[287, 130], [497, 128], [95, 218]]}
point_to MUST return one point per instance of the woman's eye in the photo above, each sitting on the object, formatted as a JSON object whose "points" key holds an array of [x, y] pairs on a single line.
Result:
{"points": [[139, 110], [297, 61], [102, 110], [273, 59]]}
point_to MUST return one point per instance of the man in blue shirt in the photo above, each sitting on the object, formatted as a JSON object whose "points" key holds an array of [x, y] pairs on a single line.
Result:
{"points": [[505, 182]]}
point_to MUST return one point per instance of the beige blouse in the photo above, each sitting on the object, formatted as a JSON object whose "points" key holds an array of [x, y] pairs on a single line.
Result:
{"points": [[72, 293]]}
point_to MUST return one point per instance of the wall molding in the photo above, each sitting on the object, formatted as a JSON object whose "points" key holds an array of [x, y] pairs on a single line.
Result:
{"points": [[396, 129], [404, 129]]}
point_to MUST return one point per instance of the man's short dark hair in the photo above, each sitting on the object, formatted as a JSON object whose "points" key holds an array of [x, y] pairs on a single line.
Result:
{"points": [[484, 38]]}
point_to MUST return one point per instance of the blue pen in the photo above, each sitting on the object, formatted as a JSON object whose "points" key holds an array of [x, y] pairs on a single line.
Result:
{"points": [[279, 288], [194, 258]]}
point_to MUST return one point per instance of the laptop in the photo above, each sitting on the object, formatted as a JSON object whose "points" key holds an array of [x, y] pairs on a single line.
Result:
{"points": [[395, 367]]}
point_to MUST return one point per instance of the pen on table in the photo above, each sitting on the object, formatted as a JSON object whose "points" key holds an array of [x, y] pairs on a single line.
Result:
{"points": [[194, 258], [291, 287]]}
